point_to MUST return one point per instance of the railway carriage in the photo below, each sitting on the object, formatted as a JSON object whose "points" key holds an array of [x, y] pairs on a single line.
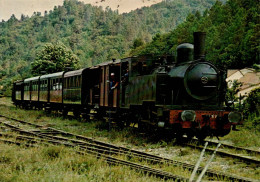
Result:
{"points": [[185, 96], [18, 92], [30, 91], [50, 91]]}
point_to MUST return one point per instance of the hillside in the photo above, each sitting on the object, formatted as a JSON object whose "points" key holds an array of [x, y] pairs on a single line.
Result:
{"points": [[233, 35], [94, 35]]}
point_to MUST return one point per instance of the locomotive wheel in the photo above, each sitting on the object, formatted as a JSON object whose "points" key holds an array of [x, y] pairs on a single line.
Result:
{"points": [[179, 137], [121, 124], [201, 137], [203, 133], [86, 117], [64, 113], [141, 125], [48, 110], [123, 121], [190, 136], [76, 114]]}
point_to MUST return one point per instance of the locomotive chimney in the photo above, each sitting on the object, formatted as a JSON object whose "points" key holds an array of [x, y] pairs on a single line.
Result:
{"points": [[199, 45]]}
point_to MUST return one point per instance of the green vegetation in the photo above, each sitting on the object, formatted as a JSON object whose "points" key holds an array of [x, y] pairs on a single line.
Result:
{"points": [[251, 110], [93, 34], [231, 95], [57, 163], [232, 34], [252, 103], [54, 58], [249, 106]]}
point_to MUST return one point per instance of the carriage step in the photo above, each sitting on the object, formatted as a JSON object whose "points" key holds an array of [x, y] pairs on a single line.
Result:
{"points": [[107, 118], [148, 122]]}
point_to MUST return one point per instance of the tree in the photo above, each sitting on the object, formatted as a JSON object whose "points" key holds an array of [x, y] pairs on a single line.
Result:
{"points": [[252, 103], [137, 43], [54, 58]]}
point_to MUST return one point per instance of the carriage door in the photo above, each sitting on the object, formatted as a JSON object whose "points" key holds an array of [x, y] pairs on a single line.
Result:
{"points": [[124, 80], [104, 85]]}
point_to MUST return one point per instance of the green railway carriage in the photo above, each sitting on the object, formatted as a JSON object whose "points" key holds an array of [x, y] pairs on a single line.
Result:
{"points": [[81, 90], [31, 86], [72, 87], [50, 90], [17, 92]]}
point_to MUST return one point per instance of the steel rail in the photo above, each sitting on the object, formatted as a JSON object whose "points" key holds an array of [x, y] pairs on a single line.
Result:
{"points": [[226, 154], [229, 146], [67, 133]]}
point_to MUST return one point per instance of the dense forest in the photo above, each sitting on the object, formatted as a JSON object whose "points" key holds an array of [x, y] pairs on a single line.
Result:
{"points": [[233, 34], [96, 35]]}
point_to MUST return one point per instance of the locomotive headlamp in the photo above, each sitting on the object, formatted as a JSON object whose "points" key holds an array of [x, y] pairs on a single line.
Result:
{"points": [[161, 124], [188, 115], [234, 117]]}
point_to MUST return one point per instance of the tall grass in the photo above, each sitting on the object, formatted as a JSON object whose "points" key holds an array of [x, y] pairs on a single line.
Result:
{"points": [[56, 163]]}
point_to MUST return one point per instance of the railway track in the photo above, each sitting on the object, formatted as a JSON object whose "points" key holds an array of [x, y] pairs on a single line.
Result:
{"points": [[49, 135], [92, 151], [227, 154], [224, 145], [114, 161]]}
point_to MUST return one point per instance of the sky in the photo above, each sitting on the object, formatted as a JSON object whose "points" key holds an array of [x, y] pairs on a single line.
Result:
{"points": [[27, 7]]}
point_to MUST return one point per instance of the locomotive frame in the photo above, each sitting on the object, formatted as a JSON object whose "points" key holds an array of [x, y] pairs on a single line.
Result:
{"points": [[184, 96]]}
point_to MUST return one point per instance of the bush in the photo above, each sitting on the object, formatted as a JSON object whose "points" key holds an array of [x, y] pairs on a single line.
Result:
{"points": [[253, 122], [251, 107], [252, 103]]}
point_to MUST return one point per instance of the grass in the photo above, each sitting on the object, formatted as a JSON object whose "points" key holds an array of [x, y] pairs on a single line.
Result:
{"points": [[244, 137], [126, 137], [56, 163]]}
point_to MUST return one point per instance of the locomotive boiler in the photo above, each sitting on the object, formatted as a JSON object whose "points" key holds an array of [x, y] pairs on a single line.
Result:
{"points": [[185, 96]]}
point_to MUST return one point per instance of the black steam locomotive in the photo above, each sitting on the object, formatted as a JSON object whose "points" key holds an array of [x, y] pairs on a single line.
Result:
{"points": [[185, 96]]}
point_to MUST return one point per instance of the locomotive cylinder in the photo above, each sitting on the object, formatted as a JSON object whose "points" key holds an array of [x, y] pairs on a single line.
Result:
{"points": [[199, 45]]}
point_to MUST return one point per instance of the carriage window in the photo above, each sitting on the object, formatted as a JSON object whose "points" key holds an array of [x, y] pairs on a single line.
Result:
{"points": [[52, 84], [43, 85], [76, 81], [79, 81], [66, 83], [59, 84], [26, 87]]}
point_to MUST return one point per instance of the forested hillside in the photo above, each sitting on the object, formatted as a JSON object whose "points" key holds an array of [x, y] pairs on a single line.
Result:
{"points": [[233, 34], [93, 34]]}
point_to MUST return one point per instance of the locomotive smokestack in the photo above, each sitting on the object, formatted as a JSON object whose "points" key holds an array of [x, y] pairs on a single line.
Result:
{"points": [[199, 45]]}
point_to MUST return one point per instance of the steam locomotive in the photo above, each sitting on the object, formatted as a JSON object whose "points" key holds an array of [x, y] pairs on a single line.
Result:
{"points": [[185, 96]]}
